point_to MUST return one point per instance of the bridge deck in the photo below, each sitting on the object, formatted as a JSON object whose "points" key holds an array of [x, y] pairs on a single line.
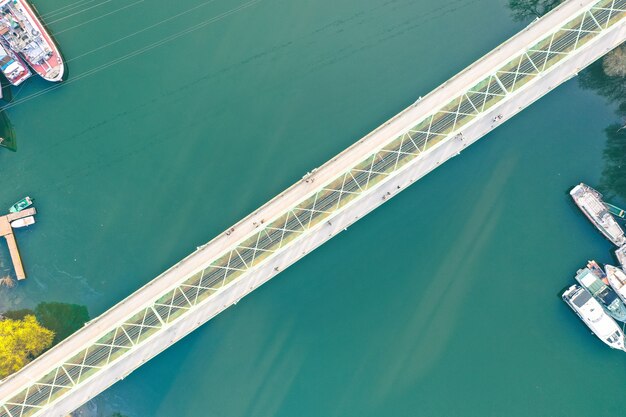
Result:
{"points": [[310, 212]]}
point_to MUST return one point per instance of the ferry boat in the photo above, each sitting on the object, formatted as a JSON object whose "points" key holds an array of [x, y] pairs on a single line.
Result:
{"points": [[617, 280], [592, 314], [23, 222], [21, 205], [25, 34], [602, 293], [12, 66], [590, 203]]}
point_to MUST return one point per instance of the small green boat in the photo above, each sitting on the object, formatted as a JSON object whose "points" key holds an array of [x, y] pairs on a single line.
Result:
{"points": [[616, 211], [21, 205]]}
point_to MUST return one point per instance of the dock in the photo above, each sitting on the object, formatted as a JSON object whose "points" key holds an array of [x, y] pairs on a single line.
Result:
{"points": [[6, 231]]}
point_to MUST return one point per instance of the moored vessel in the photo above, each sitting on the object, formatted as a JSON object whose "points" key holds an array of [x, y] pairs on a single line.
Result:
{"points": [[12, 66], [616, 211], [592, 314], [617, 280], [21, 205], [602, 293], [23, 222], [590, 203], [25, 34]]}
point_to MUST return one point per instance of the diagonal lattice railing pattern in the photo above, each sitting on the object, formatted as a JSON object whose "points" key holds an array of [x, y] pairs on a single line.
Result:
{"points": [[277, 234]]}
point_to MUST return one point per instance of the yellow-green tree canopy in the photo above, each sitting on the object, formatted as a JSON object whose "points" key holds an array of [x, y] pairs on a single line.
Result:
{"points": [[21, 341]]}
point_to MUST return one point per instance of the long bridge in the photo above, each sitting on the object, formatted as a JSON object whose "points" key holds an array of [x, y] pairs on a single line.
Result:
{"points": [[434, 129]]}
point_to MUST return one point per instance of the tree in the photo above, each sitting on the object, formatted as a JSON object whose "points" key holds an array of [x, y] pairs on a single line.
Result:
{"points": [[611, 87], [18, 314], [63, 319], [608, 78], [614, 63], [21, 341], [7, 281], [530, 9], [613, 181]]}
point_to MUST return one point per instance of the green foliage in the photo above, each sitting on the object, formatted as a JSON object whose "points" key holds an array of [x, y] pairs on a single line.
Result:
{"points": [[25, 334], [20, 342], [18, 314], [613, 180], [64, 319], [530, 9], [604, 78], [612, 88]]}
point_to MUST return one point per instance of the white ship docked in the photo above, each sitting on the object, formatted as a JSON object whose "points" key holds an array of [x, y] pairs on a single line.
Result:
{"points": [[594, 316], [590, 203], [593, 279]]}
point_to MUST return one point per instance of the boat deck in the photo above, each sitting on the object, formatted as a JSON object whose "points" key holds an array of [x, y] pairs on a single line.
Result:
{"points": [[6, 231], [591, 204]]}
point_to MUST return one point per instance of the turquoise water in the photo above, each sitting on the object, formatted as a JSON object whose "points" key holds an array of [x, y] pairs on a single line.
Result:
{"points": [[443, 302]]}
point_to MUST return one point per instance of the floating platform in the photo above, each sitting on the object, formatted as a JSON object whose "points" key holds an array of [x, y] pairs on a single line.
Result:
{"points": [[6, 231]]}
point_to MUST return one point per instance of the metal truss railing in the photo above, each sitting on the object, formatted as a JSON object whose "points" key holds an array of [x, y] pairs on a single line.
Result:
{"points": [[279, 233]]}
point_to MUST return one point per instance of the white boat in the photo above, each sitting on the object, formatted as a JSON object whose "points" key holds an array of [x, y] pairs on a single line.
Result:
{"points": [[593, 280], [23, 222], [617, 280], [590, 203], [594, 316]]}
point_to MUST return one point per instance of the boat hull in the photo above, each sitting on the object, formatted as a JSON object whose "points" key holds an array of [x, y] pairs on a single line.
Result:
{"points": [[21, 205], [24, 222], [595, 318], [602, 293], [56, 60], [23, 75], [589, 201], [617, 281]]}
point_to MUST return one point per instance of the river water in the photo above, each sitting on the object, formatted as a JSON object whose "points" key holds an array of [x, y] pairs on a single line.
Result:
{"points": [[444, 302]]}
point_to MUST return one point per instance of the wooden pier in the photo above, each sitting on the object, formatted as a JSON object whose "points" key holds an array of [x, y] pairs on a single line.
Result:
{"points": [[7, 232]]}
